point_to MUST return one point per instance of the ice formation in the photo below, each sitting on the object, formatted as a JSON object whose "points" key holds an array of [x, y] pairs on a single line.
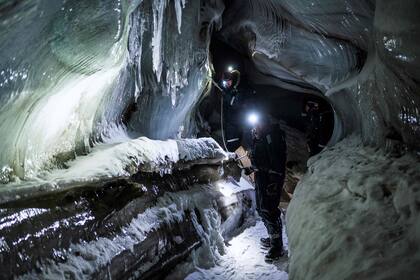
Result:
{"points": [[71, 73], [355, 214], [120, 161]]}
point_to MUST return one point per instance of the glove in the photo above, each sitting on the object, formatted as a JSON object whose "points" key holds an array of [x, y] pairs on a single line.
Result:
{"points": [[248, 170]]}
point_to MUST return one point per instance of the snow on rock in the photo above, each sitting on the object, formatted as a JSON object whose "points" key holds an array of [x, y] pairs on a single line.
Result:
{"points": [[205, 148], [107, 162], [355, 215], [244, 259]]}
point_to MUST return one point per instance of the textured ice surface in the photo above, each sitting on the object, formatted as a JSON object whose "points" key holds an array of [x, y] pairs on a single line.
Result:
{"points": [[121, 160], [233, 256], [355, 215], [382, 102], [362, 55], [299, 41], [73, 74]]}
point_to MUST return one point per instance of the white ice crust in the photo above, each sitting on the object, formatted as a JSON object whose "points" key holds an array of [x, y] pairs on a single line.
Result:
{"points": [[121, 160], [355, 215]]}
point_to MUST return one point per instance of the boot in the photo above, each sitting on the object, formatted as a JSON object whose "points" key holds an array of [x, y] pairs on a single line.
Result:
{"points": [[265, 243], [276, 250]]}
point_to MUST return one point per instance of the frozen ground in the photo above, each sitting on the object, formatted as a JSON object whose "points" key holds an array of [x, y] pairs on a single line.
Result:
{"points": [[244, 259]]}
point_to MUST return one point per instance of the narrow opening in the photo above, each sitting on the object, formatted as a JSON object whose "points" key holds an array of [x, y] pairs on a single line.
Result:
{"points": [[309, 114]]}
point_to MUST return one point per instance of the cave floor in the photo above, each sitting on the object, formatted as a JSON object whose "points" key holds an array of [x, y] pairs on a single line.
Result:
{"points": [[244, 259]]}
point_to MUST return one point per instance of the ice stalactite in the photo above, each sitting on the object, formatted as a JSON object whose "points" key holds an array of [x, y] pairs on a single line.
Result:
{"points": [[158, 17], [185, 66], [179, 5]]}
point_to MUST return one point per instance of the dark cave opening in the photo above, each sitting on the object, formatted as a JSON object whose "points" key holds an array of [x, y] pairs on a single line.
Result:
{"points": [[285, 106]]}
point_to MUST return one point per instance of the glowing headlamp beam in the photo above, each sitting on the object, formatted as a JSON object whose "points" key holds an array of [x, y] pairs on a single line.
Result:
{"points": [[253, 118]]}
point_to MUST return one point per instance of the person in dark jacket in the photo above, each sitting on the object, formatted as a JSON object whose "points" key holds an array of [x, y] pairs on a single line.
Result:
{"points": [[231, 109], [313, 129], [268, 158]]}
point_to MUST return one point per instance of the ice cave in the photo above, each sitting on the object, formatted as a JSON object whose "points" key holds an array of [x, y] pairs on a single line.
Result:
{"points": [[117, 162]]}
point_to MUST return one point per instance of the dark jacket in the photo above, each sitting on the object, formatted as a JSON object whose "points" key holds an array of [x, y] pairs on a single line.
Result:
{"points": [[270, 151]]}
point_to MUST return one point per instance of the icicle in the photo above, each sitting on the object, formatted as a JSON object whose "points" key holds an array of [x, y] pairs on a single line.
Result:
{"points": [[179, 5], [158, 12], [139, 83]]}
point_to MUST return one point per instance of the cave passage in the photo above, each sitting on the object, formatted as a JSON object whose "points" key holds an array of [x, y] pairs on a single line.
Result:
{"points": [[291, 109], [125, 128]]}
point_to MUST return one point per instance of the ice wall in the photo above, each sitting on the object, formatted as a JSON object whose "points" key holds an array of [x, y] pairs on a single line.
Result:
{"points": [[75, 73], [295, 40], [179, 66], [382, 102]]}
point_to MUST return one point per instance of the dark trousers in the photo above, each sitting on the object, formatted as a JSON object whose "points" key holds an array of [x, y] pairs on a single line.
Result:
{"points": [[268, 189]]}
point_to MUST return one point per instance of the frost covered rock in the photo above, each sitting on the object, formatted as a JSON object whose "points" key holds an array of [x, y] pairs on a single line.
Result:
{"points": [[120, 161], [140, 227], [355, 215]]}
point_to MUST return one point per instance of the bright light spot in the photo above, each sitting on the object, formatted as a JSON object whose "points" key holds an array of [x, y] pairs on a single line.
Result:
{"points": [[230, 68], [253, 118], [224, 83]]}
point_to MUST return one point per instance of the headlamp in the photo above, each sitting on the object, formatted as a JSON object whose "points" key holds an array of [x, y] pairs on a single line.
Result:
{"points": [[253, 118]]}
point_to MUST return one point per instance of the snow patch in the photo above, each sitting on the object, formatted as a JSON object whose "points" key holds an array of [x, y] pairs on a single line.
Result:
{"points": [[244, 259]]}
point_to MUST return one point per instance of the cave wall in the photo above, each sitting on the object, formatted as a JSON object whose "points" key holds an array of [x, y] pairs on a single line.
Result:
{"points": [[74, 74], [382, 102]]}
